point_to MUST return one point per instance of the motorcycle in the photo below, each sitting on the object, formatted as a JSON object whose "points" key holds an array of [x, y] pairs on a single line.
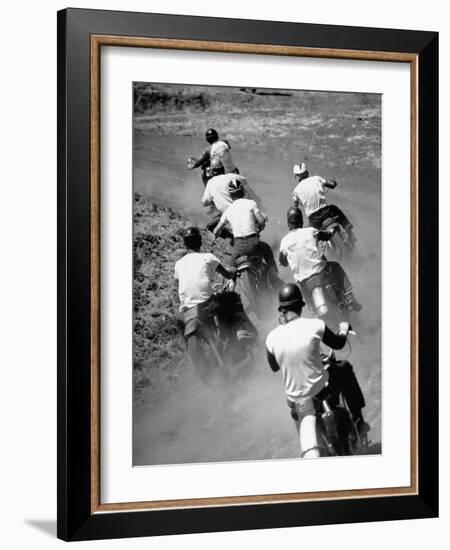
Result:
{"points": [[253, 283], [211, 329], [341, 245], [337, 434]]}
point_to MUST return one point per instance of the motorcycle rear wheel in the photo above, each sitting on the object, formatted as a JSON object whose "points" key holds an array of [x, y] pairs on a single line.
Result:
{"points": [[337, 441], [250, 292]]}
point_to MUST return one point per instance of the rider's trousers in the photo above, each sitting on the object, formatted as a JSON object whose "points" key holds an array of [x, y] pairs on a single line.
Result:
{"points": [[252, 246]]}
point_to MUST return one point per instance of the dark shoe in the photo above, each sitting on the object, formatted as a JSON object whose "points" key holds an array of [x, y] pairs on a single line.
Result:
{"points": [[362, 427], [351, 303]]}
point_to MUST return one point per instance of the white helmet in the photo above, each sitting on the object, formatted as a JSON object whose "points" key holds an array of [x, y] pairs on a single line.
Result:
{"points": [[299, 169]]}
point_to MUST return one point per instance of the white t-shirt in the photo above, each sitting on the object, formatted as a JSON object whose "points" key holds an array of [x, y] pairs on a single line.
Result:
{"points": [[303, 252], [216, 190], [241, 215], [195, 274], [296, 347], [310, 192], [221, 151]]}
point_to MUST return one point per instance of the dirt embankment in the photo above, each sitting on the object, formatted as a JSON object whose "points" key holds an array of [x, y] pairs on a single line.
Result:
{"points": [[159, 357]]}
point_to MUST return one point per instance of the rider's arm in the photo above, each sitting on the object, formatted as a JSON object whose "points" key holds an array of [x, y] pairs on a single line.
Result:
{"points": [[331, 184], [296, 199], [260, 217], [207, 198], [221, 223], [202, 160], [272, 361], [336, 341], [282, 258], [227, 273], [261, 220]]}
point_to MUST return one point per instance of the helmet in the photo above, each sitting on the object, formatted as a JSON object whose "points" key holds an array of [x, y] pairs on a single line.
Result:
{"points": [[192, 238], [235, 187], [211, 135], [290, 298], [216, 167], [294, 217], [299, 169]]}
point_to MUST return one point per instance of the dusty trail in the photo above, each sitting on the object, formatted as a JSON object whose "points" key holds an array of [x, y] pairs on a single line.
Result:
{"points": [[193, 423]]}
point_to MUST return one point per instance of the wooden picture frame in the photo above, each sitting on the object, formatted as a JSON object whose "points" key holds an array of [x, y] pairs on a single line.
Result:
{"points": [[81, 35]]}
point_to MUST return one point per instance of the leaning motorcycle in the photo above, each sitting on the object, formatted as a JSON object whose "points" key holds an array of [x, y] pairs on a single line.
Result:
{"points": [[253, 283], [337, 434]]}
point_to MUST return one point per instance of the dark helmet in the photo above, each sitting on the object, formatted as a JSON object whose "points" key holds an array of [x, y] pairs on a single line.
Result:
{"points": [[290, 298], [211, 135], [294, 217], [216, 167], [192, 238], [235, 188]]}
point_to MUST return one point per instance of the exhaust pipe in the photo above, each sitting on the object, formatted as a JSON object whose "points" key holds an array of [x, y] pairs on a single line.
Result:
{"points": [[318, 299]]}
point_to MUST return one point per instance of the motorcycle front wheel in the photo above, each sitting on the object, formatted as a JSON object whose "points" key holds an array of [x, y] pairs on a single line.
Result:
{"points": [[204, 356]]}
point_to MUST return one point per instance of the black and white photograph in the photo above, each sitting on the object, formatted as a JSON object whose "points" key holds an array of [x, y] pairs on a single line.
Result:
{"points": [[257, 274]]}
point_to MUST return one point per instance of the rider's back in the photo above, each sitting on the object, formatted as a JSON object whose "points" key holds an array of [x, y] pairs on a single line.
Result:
{"points": [[195, 273], [311, 193], [241, 217], [303, 253], [296, 347]]}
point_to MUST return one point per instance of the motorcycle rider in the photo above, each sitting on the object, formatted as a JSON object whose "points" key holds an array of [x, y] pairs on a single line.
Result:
{"points": [[217, 195], [310, 194], [300, 249], [294, 348], [195, 273], [246, 221], [217, 148]]}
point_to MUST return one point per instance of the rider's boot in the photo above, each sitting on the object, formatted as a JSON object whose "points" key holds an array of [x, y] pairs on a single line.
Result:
{"points": [[352, 303], [351, 237]]}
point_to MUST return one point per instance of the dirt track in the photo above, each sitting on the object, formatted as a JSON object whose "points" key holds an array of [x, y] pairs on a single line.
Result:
{"points": [[191, 423]]}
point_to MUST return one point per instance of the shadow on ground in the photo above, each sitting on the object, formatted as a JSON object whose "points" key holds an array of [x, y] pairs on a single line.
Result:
{"points": [[46, 526]]}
